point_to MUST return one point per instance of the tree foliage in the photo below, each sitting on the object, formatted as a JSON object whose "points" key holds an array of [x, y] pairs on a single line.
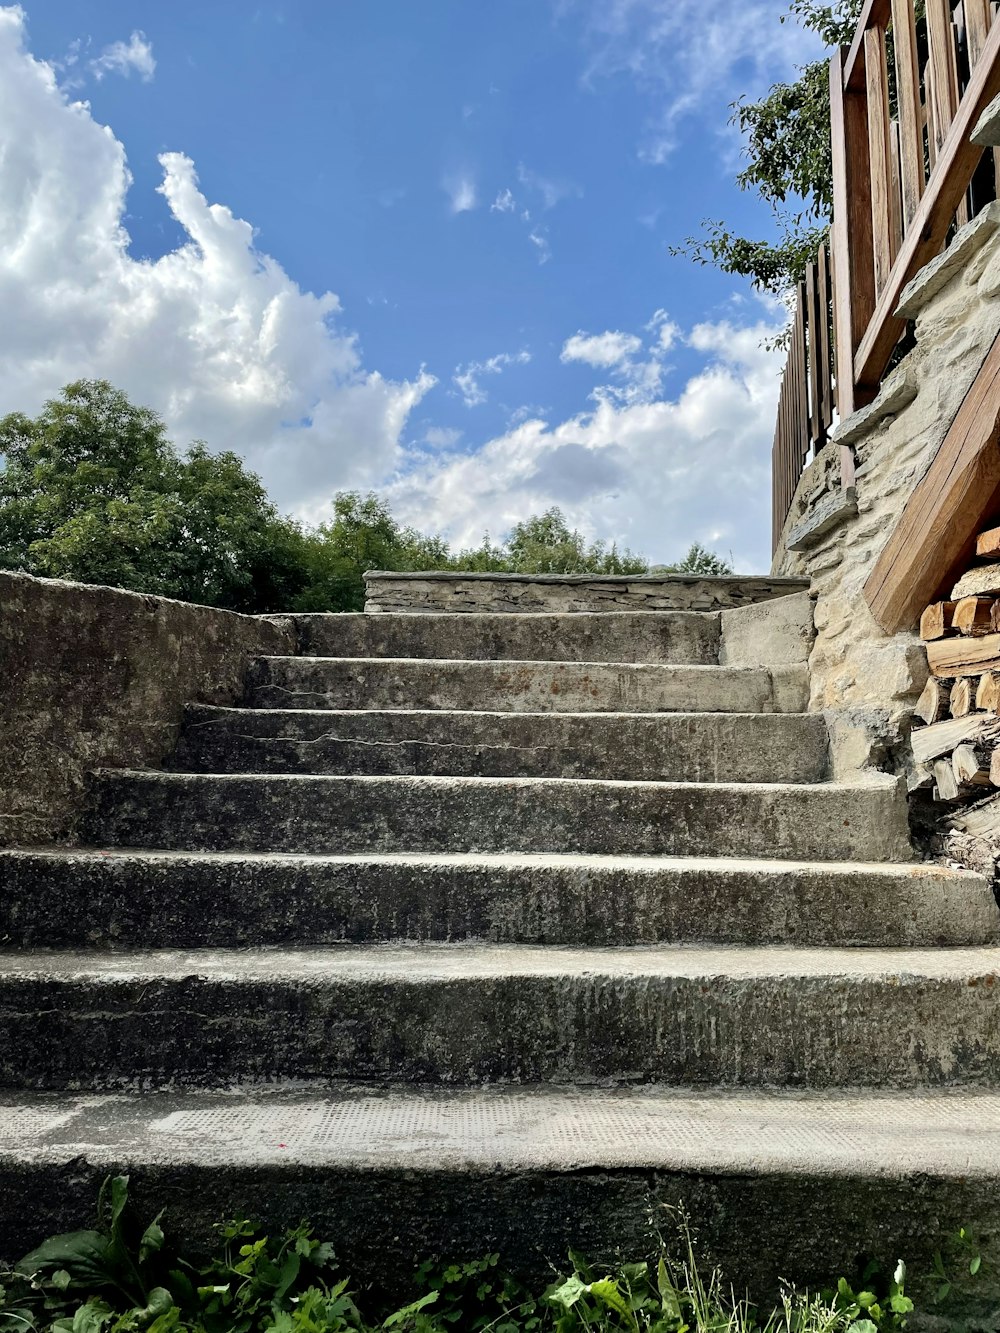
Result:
{"points": [[699, 560], [91, 489], [788, 163]]}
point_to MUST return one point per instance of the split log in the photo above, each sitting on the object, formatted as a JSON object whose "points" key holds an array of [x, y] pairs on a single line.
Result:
{"points": [[988, 543], [964, 657], [932, 705], [979, 821], [988, 692], [935, 621], [995, 616], [945, 785], [972, 615], [960, 700], [971, 765], [919, 777], [929, 743], [982, 582]]}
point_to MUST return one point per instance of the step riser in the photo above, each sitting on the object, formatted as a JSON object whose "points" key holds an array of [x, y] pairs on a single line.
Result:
{"points": [[673, 637], [384, 1222], [98, 1032], [338, 815], [512, 687], [123, 902], [706, 747]]}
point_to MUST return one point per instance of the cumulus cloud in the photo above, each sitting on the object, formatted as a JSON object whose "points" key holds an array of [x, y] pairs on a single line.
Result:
{"points": [[655, 474], [601, 349], [461, 192], [503, 203], [466, 378], [214, 334], [125, 57]]}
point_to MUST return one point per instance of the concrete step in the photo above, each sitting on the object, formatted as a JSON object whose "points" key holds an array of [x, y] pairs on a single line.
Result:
{"points": [[471, 1014], [617, 636], [390, 1176], [532, 687], [62, 899], [860, 821], [677, 747]]}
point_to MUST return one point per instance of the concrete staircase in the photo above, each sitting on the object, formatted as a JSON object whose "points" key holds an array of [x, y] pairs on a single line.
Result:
{"points": [[505, 931]]}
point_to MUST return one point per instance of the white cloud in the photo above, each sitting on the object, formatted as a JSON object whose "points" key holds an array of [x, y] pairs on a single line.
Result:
{"points": [[466, 378], [552, 191], [655, 475], [540, 240], [600, 349], [503, 203], [667, 332], [215, 335], [461, 192], [124, 57], [685, 55]]}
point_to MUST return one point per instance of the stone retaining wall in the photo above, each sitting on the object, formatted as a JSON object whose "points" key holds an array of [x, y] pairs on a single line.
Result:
{"points": [[96, 677], [567, 592], [865, 680]]}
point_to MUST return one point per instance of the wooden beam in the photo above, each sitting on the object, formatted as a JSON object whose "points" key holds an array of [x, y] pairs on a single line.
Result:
{"points": [[936, 532], [955, 166]]}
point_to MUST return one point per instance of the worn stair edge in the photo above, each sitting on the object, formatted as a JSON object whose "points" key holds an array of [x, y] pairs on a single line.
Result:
{"points": [[677, 637], [696, 747], [64, 899], [614, 687], [864, 820], [471, 1014], [393, 1177]]}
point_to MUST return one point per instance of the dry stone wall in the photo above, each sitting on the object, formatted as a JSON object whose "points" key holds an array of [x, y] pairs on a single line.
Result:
{"points": [[560, 592], [96, 677], [863, 679]]}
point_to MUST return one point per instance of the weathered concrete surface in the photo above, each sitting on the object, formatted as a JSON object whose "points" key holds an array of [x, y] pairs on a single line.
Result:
{"points": [[863, 821], [95, 676], [608, 636], [676, 747], [518, 687], [771, 634], [60, 898], [393, 1177], [486, 1013], [462, 592]]}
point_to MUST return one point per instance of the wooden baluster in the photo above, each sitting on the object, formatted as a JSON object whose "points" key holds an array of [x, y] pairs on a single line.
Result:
{"points": [[812, 351], [823, 340], [911, 134], [850, 235], [941, 41], [885, 246]]}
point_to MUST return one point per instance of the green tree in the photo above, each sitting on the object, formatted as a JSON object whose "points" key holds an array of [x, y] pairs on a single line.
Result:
{"points": [[788, 163], [93, 490], [545, 544], [699, 560]]}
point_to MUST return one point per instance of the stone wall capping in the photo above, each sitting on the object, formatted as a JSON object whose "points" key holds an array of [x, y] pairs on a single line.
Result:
{"points": [[826, 514], [968, 241], [896, 393]]}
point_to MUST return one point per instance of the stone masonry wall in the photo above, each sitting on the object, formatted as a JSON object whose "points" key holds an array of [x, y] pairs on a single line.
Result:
{"points": [[96, 677], [555, 593], [864, 680]]}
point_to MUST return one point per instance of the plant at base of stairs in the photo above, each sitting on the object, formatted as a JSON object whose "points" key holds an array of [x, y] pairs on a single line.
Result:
{"points": [[123, 1278]]}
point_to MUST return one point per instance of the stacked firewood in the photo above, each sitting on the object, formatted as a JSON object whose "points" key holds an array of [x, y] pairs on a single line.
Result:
{"points": [[957, 752]]}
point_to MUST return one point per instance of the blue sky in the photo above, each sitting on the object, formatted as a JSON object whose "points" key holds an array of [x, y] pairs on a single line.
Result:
{"points": [[489, 190]]}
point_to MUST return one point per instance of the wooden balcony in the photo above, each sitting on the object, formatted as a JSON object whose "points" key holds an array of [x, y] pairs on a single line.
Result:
{"points": [[904, 99]]}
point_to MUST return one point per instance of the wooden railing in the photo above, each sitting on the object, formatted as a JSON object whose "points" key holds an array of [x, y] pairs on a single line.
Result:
{"points": [[905, 171], [807, 400]]}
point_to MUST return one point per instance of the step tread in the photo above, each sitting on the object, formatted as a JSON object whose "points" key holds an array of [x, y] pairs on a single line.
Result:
{"points": [[482, 663], [433, 963], [946, 1133], [890, 870], [545, 719]]}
